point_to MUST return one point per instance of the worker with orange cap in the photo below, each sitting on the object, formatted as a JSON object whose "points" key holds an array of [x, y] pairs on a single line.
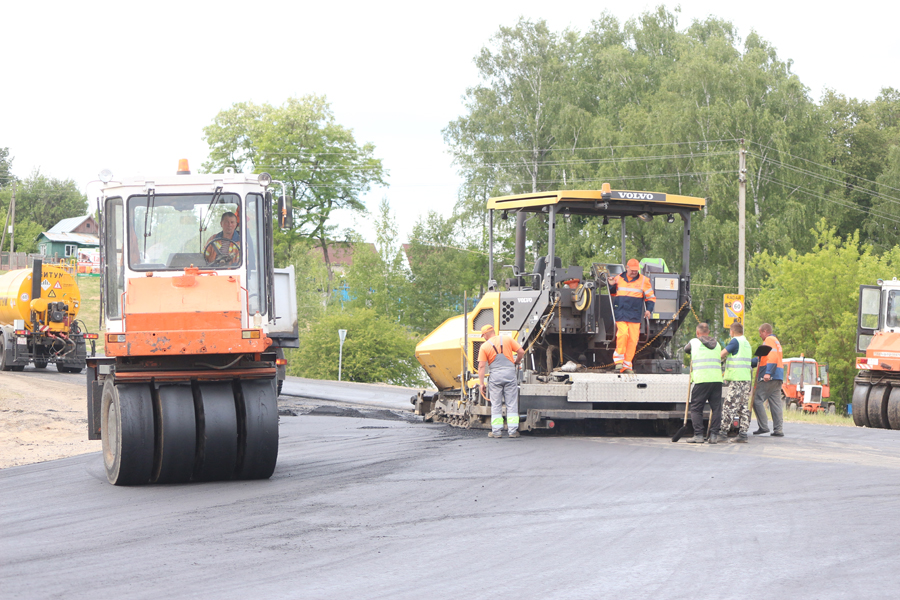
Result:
{"points": [[631, 291], [497, 351]]}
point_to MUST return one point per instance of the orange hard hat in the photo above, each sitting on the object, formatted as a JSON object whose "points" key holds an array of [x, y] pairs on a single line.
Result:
{"points": [[487, 328], [633, 264]]}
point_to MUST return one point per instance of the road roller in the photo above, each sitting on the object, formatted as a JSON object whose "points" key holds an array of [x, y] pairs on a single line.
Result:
{"points": [[876, 388], [39, 320], [196, 319]]}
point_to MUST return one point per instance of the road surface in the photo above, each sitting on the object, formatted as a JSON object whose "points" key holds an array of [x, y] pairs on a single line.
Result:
{"points": [[388, 508]]}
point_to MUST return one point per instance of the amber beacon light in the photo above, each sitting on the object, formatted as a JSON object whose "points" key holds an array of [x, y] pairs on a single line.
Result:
{"points": [[183, 168]]}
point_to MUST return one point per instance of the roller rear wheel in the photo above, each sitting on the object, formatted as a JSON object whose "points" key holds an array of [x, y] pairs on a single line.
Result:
{"points": [[217, 447], [877, 405], [893, 409], [860, 395], [127, 433], [259, 428], [176, 435]]}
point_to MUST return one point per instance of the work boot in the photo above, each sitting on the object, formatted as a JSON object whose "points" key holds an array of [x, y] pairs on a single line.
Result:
{"points": [[697, 439], [777, 434], [713, 438], [759, 431], [513, 434], [740, 439], [497, 435]]}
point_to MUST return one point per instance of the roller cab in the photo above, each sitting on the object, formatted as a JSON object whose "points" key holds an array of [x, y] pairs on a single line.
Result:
{"points": [[197, 318], [876, 388]]}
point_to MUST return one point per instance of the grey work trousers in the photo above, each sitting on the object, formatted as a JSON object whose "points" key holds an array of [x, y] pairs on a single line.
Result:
{"points": [[771, 391]]}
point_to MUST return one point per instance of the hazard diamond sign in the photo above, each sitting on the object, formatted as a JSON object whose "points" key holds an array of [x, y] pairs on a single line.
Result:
{"points": [[734, 309]]}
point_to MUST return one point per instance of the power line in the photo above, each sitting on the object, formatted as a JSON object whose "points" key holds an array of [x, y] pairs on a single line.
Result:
{"points": [[823, 166]]}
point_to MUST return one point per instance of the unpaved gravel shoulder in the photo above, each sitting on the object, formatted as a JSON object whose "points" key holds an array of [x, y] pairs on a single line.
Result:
{"points": [[42, 420]]}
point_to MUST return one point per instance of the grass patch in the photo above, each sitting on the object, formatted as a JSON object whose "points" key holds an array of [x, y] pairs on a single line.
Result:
{"points": [[89, 312], [797, 416]]}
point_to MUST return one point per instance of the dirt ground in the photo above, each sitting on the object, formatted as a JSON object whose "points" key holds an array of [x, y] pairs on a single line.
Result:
{"points": [[42, 419]]}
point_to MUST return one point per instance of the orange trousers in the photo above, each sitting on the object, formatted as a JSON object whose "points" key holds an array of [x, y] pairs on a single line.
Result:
{"points": [[626, 343]]}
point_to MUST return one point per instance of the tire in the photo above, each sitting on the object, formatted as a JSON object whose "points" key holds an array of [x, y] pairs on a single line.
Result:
{"points": [[831, 410], [3, 365], [64, 369], [793, 407], [258, 419], [877, 406], [40, 363], [217, 443], [176, 435], [280, 385], [893, 412], [860, 397], [126, 433]]}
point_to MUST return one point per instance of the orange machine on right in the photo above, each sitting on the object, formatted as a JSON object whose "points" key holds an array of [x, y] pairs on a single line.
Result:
{"points": [[876, 389]]}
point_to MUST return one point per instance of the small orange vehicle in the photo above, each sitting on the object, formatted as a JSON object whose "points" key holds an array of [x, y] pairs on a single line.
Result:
{"points": [[806, 386]]}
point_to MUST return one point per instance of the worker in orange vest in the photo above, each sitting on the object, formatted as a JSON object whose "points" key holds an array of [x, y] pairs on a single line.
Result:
{"points": [[631, 291], [770, 376]]}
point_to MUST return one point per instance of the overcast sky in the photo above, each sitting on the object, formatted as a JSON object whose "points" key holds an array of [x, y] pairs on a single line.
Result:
{"points": [[130, 86]]}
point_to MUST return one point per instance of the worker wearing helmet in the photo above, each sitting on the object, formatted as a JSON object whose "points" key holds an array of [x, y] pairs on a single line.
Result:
{"points": [[634, 300], [497, 351], [738, 373], [768, 386]]}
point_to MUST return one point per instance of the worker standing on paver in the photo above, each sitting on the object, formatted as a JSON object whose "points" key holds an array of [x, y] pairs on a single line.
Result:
{"points": [[768, 387], [497, 351], [738, 373], [630, 290], [706, 375]]}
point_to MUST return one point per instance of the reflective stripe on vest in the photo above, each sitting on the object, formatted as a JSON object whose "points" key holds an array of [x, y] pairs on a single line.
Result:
{"points": [[706, 365], [737, 367]]}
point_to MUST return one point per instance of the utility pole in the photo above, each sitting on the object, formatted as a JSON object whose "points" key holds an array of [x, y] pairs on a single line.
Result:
{"points": [[742, 220], [6, 224], [12, 222]]}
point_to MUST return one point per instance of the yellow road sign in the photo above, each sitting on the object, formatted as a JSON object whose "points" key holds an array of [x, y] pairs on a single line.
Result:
{"points": [[734, 309]]}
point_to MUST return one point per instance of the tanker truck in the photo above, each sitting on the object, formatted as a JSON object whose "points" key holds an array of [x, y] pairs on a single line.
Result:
{"points": [[38, 320], [195, 318]]}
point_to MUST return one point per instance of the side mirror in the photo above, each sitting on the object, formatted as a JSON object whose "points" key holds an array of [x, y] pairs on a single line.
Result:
{"points": [[285, 213]]}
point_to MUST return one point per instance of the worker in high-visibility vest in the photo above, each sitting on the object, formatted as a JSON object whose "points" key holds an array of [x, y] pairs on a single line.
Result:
{"points": [[631, 291], [706, 375], [738, 373], [770, 376]]}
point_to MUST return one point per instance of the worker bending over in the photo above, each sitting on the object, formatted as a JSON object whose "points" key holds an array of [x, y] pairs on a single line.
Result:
{"points": [[497, 351], [768, 387], [706, 375], [630, 290], [738, 370]]}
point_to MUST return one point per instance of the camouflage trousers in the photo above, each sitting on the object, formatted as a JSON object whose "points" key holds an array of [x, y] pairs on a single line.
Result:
{"points": [[736, 406]]}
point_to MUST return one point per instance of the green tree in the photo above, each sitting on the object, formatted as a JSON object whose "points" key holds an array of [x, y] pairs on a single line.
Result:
{"points": [[300, 143], [41, 202], [6, 160], [377, 349], [379, 279], [811, 300]]}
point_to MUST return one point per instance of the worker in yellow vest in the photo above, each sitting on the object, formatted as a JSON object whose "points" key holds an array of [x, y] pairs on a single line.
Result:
{"points": [[706, 375]]}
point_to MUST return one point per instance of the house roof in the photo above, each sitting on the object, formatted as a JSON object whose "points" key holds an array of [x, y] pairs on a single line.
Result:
{"points": [[67, 225], [82, 239], [340, 254]]}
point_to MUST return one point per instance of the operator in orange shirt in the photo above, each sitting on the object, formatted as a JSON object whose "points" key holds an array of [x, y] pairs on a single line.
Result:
{"points": [[497, 351], [630, 290], [768, 386]]}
